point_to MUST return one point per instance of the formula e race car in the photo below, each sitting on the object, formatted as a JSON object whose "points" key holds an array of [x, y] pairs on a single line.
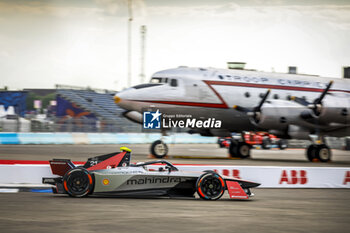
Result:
{"points": [[113, 174]]}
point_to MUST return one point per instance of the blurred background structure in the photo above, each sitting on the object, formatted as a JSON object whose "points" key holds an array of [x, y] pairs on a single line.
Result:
{"points": [[64, 109]]}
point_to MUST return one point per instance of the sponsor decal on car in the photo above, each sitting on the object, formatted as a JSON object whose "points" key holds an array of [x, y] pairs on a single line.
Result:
{"points": [[154, 180], [105, 181]]}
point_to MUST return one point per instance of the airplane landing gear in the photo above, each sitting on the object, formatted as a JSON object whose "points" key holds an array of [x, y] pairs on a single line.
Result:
{"points": [[310, 152], [320, 152], [239, 149], [159, 149]]}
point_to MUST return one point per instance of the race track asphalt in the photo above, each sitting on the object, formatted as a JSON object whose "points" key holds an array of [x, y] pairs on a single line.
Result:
{"points": [[271, 210]]}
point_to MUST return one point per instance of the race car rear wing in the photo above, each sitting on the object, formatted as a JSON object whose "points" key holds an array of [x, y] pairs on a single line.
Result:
{"points": [[61, 166], [116, 159]]}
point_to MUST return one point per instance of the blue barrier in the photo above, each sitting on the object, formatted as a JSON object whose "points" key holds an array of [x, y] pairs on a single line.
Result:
{"points": [[96, 138], [63, 138], [9, 138], [99, 138], [45, 138]]}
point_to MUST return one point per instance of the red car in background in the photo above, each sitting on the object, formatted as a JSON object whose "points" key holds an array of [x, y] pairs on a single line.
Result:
{"points": [[263, 139]]}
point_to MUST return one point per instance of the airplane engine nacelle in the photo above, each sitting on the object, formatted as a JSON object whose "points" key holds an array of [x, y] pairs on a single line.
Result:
{"points": [[134, 116], [332, 113], [297, 132], [277, 115]]}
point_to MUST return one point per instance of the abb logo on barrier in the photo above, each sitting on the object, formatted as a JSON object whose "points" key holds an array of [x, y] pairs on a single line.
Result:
{"points": [[234, 173], [293, 177], [347, 177]]}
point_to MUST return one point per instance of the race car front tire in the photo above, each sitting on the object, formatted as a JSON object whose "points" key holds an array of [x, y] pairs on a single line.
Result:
{"points": [[78, 182], [210, 186]]}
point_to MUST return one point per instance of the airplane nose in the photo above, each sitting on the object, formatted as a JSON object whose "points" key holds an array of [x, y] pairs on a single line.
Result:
{"points": [[117, 99]]}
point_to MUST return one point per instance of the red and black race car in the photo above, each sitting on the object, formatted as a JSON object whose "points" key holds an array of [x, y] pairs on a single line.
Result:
{"points": [[113, 174], [263, 139]]}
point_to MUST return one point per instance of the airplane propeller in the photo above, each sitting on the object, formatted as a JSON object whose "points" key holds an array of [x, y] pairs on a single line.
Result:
{"points": [[316, 106], [255, 111]]}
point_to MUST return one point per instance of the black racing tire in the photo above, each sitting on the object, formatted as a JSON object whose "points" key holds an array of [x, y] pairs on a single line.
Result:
{"points": [[282, 144], [232, 149], [323, 153], [243, 150], [266, 144], [310, 152], [210, 186], [159, 149], [78, 182]]}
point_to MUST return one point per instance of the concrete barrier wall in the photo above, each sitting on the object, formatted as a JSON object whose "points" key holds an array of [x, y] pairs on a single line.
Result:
{"points": [[19, 175], [99, 138]]}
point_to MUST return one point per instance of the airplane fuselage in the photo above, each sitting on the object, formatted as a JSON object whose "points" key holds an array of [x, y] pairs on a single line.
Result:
{"points": [[214, 93]]}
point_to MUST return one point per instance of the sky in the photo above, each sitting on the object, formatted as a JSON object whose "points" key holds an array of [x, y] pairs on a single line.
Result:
{"points": [[84, 42]]}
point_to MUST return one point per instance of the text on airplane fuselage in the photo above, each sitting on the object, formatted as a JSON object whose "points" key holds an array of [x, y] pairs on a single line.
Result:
{"points": [[280, 81]]}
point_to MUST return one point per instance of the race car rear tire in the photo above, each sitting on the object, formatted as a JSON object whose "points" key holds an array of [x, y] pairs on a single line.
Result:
{"points": [[210, 186], [159, 149], [78, 182]]}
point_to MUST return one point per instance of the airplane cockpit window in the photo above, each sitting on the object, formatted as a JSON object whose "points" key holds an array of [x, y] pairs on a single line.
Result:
{"points": [[159, 80], [146, 85], [173, 82], [156, 80]]}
